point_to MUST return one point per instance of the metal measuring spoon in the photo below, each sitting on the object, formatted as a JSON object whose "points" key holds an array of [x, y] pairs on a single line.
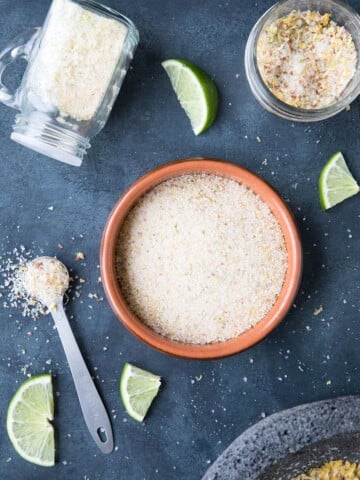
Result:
{"points": [[47, 279]]}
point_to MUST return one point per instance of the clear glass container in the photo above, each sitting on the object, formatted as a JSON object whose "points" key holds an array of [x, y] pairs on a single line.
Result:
{"points": [[76, 65], [343, 15]]}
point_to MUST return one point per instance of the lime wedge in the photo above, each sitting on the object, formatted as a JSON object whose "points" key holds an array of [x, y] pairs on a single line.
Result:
{"points": [[196, 92], [28, 421], [336, 182], [138, 388]]}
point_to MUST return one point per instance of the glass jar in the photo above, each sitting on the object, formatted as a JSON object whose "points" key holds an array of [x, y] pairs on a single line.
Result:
{"points": [[76, 65], [343, 15]]}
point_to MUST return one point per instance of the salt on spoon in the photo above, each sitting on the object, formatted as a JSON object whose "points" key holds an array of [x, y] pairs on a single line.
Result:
{"points": [[47, 279]]}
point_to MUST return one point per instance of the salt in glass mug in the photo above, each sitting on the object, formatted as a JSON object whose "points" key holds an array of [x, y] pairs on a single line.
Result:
{"points": [[43, 127]]}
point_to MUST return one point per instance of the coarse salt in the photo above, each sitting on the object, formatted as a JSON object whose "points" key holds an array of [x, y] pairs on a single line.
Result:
{"points": [[76, 60], [306, 59], [12, 268], [46, 280], [201, 258]]}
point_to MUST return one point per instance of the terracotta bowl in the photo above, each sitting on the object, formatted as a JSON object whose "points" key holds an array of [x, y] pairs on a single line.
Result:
{"points": [[212, 350]]}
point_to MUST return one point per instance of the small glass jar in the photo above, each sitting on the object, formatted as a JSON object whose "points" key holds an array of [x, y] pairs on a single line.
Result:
{"points": [[76, 65], [343, 15]]}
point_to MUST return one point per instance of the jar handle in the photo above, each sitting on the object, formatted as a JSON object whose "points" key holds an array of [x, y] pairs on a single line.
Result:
{"points": [[20, 47]]}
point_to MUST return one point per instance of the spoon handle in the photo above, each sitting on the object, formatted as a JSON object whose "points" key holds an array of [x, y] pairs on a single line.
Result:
{"points": [[95, 415]]}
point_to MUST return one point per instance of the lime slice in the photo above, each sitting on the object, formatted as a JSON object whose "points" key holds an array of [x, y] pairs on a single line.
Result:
{"points": [[28, 421], [138, 388], [196, 92], [336, 182]]}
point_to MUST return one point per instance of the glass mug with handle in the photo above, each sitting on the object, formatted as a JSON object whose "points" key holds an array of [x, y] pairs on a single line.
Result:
{"points": [[76, 65]]}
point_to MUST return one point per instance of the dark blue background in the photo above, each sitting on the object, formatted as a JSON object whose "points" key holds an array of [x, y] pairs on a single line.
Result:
{"points": [[307, 358]]}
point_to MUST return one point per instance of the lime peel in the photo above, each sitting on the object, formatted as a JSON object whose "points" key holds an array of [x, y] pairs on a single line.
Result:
{"points": [[196, 92], [138, 388], [28, 421], [336, 182]]}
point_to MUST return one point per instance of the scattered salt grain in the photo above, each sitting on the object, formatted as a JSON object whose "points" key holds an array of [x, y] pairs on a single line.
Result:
{"points": [[318, 310], [79, 256], [12, 268]]}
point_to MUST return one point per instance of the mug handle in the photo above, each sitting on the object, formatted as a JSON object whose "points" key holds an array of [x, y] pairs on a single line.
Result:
{"points": [[20, 47]]}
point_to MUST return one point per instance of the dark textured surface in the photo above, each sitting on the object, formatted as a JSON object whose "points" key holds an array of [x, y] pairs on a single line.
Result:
{"points": [[291, 442], [343, 447], [307, 358]]}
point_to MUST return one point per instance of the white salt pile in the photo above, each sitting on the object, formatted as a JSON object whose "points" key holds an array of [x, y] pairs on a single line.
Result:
{"points": [[201, 258]]}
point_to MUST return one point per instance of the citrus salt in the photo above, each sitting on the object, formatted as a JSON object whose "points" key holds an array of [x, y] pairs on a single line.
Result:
{"points": [[201, 258]]}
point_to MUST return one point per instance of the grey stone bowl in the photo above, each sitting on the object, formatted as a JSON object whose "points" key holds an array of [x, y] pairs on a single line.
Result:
{"points": [[288, 443]]}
